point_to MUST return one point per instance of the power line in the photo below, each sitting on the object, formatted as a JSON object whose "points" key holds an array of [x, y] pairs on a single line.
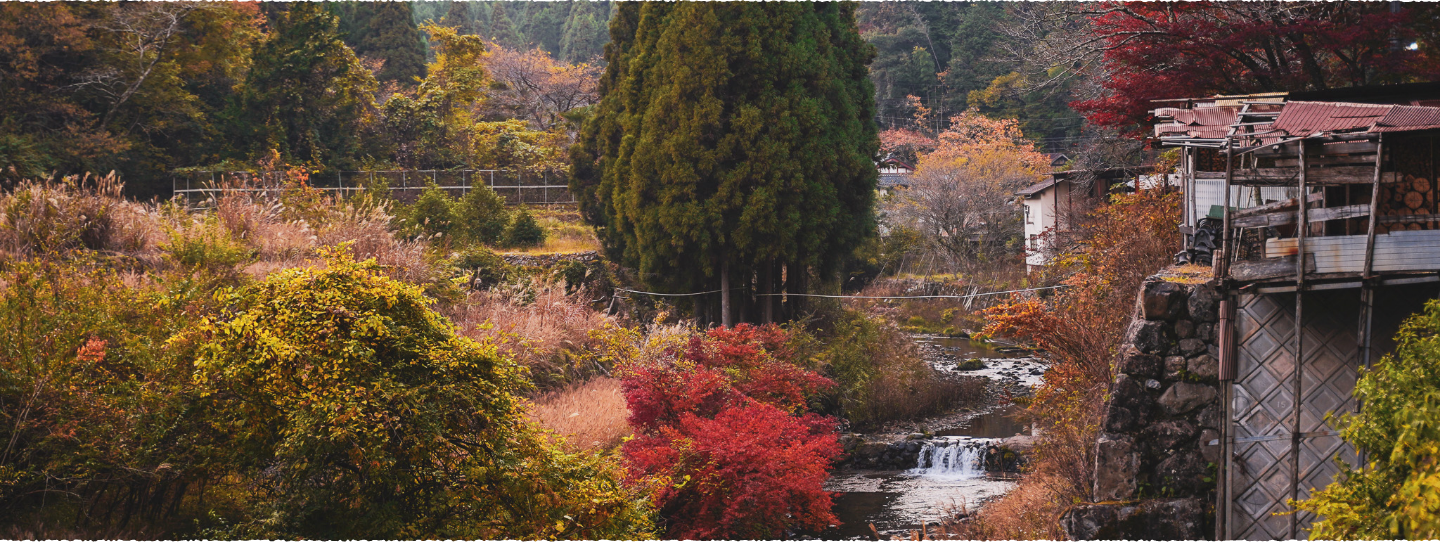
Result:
{"points": [[858, 296]]}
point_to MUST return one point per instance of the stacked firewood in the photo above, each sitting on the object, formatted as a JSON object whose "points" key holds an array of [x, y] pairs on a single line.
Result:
{"points": [[1411, 197]]}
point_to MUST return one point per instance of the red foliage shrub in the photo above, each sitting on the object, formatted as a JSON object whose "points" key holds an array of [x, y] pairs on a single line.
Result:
{"points": [[722, 428]]}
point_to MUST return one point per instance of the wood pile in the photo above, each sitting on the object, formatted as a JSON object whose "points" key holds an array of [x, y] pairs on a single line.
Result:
{"points": [[1406, 205]]}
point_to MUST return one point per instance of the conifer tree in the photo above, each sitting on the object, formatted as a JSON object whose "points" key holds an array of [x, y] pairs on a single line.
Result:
{"points": [[390, 34], [305, 94], [502, 29], [733, 144], [458, 17]]}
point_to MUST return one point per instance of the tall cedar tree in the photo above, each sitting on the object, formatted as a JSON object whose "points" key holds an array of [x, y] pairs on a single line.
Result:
{"points": [[458, 16], [390, 34], [306, 92], [734, 135]]}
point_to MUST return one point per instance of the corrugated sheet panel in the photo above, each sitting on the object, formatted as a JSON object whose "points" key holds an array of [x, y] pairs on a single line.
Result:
{"points": [[1306, 118], [1408, 117]]}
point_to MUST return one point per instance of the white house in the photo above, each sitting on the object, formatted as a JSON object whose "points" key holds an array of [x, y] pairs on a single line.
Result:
{"points": [[1051, 205]]}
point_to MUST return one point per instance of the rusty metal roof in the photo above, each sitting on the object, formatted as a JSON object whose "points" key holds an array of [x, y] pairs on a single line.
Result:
{"points": [[1297, 119], [1407, 117], [1202, 122], [1300, 119]]}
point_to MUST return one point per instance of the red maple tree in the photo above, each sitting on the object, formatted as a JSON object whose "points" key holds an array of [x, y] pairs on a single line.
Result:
{"points": [[723, 429], [1196, 49]]}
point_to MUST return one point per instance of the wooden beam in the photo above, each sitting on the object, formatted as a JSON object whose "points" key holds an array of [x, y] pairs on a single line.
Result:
{"points": [[1268, 268], [1288, 217], [1276, 206], [1319, 176]]}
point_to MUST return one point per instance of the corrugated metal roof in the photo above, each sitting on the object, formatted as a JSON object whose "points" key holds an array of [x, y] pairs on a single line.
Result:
{"points": [[1408, 117], [1299, 119], [1204, 122]]}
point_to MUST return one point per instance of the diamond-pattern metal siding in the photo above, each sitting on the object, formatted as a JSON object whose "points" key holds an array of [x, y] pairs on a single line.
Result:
{"points": [[1263, 404]]}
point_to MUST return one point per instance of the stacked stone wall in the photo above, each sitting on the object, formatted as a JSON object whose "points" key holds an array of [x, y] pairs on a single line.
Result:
{"points": [[1155, 469]]}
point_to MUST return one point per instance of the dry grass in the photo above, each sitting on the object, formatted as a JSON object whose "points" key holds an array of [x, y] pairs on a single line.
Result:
{"points": [[565, 233], [51, 217], [589, 416], [536, 322], [1030, 512]]}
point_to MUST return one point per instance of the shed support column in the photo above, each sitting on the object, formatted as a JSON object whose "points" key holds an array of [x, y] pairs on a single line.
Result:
{"points": [[1298, 384], [1226, 330], [1221, 261]]}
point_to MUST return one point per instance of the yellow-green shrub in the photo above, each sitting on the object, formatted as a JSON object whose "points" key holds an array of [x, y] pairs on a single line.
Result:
{"points": [[358, 413]]}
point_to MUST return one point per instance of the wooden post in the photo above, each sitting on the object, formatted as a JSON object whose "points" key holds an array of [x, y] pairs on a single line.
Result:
{"points": [[1223, 263], [1226, 331], [1298, 368], [1374, 209]]}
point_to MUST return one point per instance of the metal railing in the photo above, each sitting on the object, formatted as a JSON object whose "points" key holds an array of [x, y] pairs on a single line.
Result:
{"points": [[516, 187]]}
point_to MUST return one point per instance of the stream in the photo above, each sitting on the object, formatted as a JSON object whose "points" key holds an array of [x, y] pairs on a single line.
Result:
{"points": [[949, 477]]}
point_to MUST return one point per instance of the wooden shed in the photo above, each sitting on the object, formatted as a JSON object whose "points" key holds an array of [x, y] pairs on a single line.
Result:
{"points": [[1330, 236]]}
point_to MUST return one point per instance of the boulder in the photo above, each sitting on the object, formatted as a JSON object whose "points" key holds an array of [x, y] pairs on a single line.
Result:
{"points": [[1204, 303], [1162, 300], [1184, 329], [1210, 417], [1116, 466], [1159, 519], [1205, 332], [1139, 364], [1204, 366], [1129, 405], [1150, 337], [1184, 397], [1168, 436], [1182, 474], [1210, 452], [1173, 366], [1191, 347]]}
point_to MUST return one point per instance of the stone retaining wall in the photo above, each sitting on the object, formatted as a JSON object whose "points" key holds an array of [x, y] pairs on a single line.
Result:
{"points": [[1154, 466]]}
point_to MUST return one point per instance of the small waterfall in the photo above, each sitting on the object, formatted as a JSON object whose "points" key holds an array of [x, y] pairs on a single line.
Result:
{"points": [[957, 459]]}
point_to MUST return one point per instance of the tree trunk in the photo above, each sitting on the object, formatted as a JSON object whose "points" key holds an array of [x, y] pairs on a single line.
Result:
{"points": [[767, 287], [725, 294]]}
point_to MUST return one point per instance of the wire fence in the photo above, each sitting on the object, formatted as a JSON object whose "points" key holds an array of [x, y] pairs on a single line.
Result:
{"points": [[516, 187]]}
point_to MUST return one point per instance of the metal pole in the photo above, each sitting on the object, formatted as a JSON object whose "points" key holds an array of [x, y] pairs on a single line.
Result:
{"points": [[1298, 367]]}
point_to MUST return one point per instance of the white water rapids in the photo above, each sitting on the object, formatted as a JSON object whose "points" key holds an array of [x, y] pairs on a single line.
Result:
{"points": [[960, 459]]}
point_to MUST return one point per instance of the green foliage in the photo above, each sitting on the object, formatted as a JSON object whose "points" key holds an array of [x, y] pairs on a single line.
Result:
{"points": [[486, 268], [20, 159], [879, 375], [432, 214], [134, 88], [434, 126], [1398, 494], [306, 93], [523, 231], [96, 403], [207, 245], [346, 376], [481, 216], [385, 31], [730, 132]]}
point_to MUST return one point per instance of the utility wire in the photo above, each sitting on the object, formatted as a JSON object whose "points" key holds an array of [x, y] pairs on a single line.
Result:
{"points": [[860, 296]]}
